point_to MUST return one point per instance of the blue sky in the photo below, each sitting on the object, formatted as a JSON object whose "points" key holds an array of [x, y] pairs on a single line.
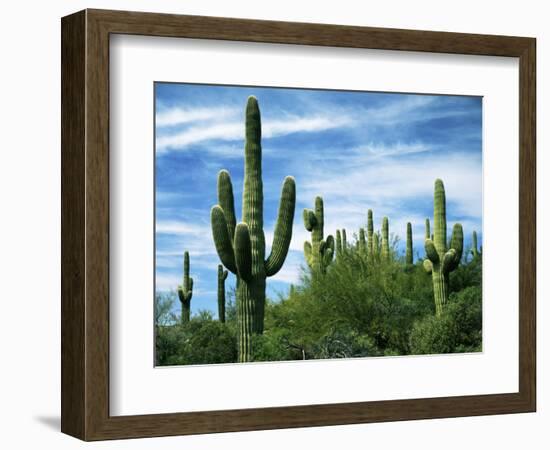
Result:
{"points": [[358, 150]]}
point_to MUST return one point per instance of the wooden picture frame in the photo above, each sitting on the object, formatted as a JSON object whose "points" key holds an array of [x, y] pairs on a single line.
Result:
{"points": [[85, 224]]}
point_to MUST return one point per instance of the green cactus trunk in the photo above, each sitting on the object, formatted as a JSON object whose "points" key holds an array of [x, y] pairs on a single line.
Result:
{"points": [[344, 241], [409, 250], [376, 247], [370, 234], [241, 247], [385, 240], [339, 248], [319, 253], [222, 276], [185, 291], [440, 259]]}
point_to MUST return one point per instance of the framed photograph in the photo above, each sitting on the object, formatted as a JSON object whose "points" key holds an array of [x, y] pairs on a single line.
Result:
{"points": [[273, 225]]}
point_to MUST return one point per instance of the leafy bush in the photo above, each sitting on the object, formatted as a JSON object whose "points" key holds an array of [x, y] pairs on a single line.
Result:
{"points": [[457, 330], [200, 341]]}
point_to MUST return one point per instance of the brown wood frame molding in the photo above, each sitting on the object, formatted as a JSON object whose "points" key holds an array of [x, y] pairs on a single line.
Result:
{"points": [[85, 224]]}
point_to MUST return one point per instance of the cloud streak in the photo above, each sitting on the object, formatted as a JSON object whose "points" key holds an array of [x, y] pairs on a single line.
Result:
{"points": [[233, 131]]}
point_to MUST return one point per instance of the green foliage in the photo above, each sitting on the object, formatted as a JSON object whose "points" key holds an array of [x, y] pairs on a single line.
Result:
{"points": [[164, 305], [241, 247], [199, 341], [456, 330], [366, 303]]}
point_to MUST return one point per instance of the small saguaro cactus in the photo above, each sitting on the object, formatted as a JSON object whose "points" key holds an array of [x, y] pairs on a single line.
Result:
{"points": [[338, 243], [241, 247], [344, 241], [475, 251], [409, 249], [362, 243], [319, 253], [222, 276], [440, 259], [376, 246], [185, 291], [370, 233], [385, 239]]}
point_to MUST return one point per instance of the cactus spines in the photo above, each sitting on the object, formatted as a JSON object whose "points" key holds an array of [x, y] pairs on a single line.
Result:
{"points": [[475, 251], [222, 276], [241, 247], [409, 250], [319, 253], [370, 232], [185, 291], [385, 239], [440, 259]]}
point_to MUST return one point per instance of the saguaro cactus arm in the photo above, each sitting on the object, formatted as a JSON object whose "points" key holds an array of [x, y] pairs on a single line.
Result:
{"points": [[222, 276], [243, 251], [457, 244], [283, 228], [226, 201], [222, 239], [427, 232]]}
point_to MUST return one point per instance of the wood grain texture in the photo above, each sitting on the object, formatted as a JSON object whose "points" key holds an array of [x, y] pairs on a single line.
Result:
{"points": [[73, 111], [85, 224]]}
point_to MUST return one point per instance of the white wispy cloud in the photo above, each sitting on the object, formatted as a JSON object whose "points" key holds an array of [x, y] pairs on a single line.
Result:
{"points": [[179, 227], [231, 131], [178, 116]]}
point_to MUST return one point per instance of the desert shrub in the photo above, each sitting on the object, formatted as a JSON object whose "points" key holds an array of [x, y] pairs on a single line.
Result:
{"points": [[458, 329], [200, 341]]}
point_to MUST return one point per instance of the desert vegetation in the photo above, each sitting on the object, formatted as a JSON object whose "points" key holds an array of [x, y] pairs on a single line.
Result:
{"points": [[357, 297]]}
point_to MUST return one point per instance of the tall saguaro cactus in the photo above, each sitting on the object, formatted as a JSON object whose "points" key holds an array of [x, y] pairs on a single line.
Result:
{"points": [[385, 239], [409, 249], [185, 291], [222, 276], [319, 253], [440, 259], [241, 247]]}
